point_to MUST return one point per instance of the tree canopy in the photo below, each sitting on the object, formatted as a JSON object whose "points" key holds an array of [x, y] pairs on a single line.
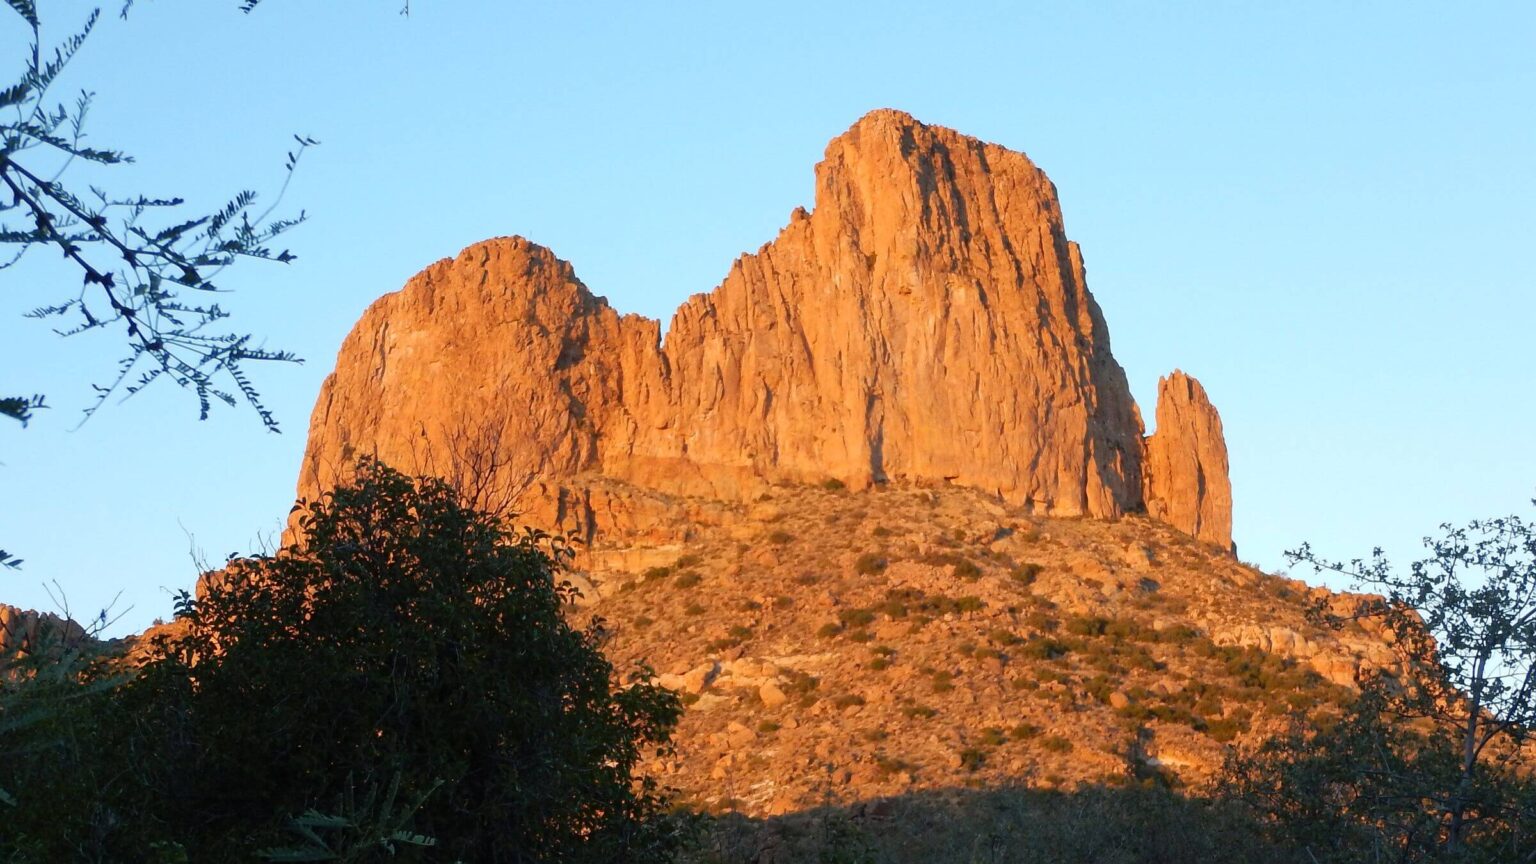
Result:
{"points": [[406, 666]]}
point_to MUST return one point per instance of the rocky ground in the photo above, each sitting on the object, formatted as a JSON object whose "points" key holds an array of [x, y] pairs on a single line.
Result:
{"points": [[834, 646]]}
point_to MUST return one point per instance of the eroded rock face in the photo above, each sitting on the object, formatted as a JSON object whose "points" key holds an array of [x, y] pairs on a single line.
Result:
{"points": [[1186, 467], [928, 321], [25, 631]]}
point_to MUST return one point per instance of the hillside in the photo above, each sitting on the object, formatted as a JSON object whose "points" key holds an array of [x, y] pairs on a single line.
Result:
{"points": [[837, 646]]}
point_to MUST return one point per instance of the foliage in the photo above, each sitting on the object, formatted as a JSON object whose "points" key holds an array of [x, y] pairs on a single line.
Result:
{"points": [[409, 648], [1372, 787], [136, 254], [1433, 762]]}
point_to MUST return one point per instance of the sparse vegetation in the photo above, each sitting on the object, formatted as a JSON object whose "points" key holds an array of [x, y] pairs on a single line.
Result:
{"points": [[869, 564]]}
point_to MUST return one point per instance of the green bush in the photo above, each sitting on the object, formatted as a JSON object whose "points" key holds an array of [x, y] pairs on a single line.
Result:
{"points": [[409, 650]]}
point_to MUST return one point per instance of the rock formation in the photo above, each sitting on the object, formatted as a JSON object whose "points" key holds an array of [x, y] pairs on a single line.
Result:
{"points": [[927, 322], [25, 631], [1186, 463]]}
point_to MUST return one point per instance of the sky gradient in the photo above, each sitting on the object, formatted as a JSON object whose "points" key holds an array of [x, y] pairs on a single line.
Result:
{"points": [[1323, 211]]}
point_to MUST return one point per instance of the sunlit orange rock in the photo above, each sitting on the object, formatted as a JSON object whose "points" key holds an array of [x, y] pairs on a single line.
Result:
{"points": [[928, 321], [1186, 467]]}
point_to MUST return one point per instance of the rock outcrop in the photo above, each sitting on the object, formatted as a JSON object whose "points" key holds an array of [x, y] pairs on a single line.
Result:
{"points": [[1186, 466], [26, 631], [929, 321]]}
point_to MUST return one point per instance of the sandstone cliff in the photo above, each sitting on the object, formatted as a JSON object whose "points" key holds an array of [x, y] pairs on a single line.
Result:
{"points": [[1186, 464], [927, 322]]}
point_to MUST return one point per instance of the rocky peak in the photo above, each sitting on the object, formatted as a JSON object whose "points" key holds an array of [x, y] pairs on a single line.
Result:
{"points": [[926, 322], [1186, 467]]}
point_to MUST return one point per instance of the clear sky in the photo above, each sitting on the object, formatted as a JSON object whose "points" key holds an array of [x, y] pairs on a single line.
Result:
{"points": [[1324, 211]]}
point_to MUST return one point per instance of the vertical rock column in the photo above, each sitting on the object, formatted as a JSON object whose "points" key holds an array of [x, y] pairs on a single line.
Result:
{"points": [[1185, 470]]}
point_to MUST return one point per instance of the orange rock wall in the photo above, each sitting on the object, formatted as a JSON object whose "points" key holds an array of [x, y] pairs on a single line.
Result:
{"points": [[927, 321]]}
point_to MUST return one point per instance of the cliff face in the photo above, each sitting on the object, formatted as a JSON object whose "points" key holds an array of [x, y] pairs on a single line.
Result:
{"points": [[1186, 465], [928, 321]]}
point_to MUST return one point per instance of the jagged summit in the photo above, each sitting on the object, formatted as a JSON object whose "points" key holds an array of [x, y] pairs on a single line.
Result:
{"points": [[928, 321]]}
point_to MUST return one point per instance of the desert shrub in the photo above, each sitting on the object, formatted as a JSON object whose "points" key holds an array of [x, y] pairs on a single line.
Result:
{"points": [[643, 621], [829, 630], [880, 531], [655, 574], [1045, 648], [694, 609], [690, 579], [1086, 625], [370, 661], [847, 700], [687, 560], [1177, 634], [832, 484], [1026, 573], [1225, 729], [783, 601], [972, 758], [869, 564], [993, 736], [879, 664], [768, 727], [856, 617], [917, 711], [1056, 744], [780, 537], [966, 569], [860, 636], [1024, 732], [1000, 636], [797, 683], [1041, 621]]}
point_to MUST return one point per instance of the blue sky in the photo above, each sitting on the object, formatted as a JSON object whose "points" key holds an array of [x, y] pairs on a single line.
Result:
{"points": [[1322, 210]]}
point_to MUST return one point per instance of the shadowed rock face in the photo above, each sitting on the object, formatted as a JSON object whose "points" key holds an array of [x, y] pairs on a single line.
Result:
{"points": [[928, 321], [1186, 467]]}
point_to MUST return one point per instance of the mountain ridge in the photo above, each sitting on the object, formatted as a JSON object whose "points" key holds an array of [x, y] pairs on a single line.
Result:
{"points": [[927, 321]]}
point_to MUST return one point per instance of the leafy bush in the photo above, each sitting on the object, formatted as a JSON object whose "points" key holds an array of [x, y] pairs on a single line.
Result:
{"points": [[410, 644]]}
